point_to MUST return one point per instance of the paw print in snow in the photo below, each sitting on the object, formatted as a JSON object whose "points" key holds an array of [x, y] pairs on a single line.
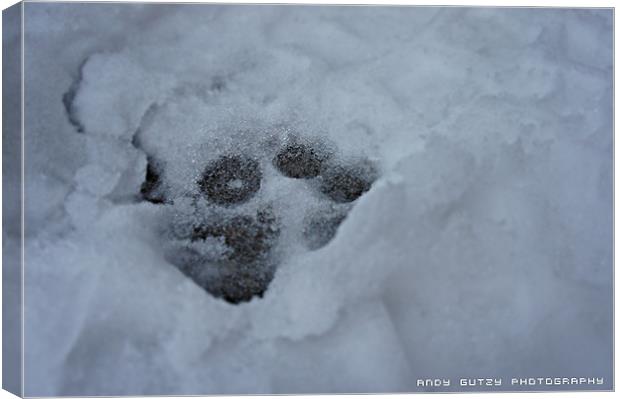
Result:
{"points": [[230, 183]]}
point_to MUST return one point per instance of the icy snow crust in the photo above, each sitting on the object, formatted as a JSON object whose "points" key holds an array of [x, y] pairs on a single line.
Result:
{"points": [[483, 249]]}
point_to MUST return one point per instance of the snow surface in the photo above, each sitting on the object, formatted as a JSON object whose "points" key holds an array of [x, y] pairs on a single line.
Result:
{"points": [[483, 249]]}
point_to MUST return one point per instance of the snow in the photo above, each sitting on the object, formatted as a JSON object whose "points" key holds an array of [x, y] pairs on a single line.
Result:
{"points": [[484, 247]]}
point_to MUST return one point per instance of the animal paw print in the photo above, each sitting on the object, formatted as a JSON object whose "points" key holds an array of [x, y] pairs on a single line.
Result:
{"points": [[225, 241]]}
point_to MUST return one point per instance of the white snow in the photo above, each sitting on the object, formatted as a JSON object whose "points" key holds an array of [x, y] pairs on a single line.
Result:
{"points": [[484, 248]]}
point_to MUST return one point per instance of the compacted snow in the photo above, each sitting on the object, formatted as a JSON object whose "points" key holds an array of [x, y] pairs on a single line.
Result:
{"points": [[475, 242]]}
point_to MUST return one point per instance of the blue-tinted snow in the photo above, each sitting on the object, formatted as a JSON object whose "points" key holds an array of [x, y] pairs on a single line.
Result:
{"points": [[484, 249]]}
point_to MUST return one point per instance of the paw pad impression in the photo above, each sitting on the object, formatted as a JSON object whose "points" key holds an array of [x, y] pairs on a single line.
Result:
{"points": [[231, 179], [300, 161], [243, 270], [346, 183]]}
